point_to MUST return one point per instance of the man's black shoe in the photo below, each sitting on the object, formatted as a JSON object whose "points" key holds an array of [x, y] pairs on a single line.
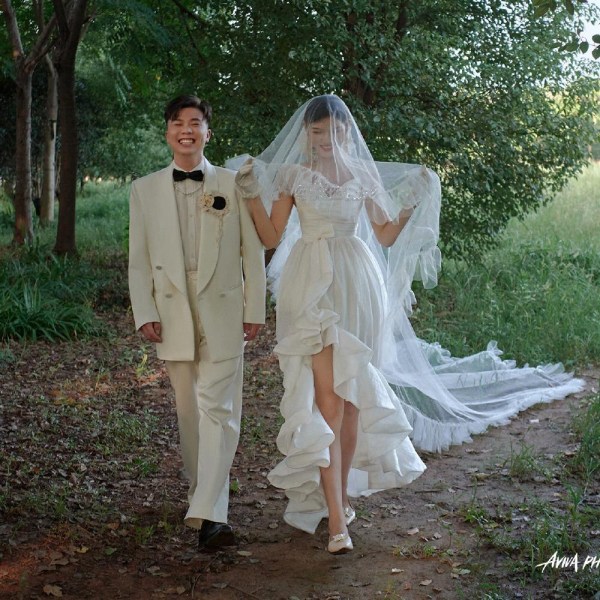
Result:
{"points": [[214, 535]]}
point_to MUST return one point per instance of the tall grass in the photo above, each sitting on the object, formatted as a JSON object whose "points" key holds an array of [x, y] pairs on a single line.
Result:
{"points": [[570, 222], [101, 222], [537, 293], [42, 296]]}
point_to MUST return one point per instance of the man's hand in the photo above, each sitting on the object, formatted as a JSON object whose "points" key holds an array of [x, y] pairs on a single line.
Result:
{"points": [[251, 330], [151, 331]]}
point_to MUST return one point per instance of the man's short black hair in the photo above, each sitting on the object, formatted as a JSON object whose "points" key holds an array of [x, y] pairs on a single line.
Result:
{"points": [[174, 107]]}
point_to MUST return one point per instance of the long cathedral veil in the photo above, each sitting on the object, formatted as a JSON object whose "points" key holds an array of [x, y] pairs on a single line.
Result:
{"points": [[446, 399]]}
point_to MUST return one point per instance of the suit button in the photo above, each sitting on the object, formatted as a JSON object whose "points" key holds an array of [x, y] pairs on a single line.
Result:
{"points": [[222, 295], [168, 295], [158, 267]]}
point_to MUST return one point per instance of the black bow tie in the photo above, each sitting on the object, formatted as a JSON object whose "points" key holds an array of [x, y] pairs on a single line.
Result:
{"points": [[181, 175]]}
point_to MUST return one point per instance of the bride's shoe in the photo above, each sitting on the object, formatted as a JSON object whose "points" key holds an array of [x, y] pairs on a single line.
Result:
{"points": [[339, 544], [350, 514]]}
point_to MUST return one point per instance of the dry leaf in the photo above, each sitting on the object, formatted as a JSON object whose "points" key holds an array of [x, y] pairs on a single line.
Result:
{"points": [[244, 553], [413, 531], [426, 582], [53, 590], [407, 585], [396, 571]]}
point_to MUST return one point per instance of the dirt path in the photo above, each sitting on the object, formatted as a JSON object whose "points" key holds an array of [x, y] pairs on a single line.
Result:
{"points": [[424, 541]]}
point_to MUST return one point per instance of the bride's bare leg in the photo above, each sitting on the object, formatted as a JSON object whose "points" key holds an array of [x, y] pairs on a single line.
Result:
{"points": [[348, 445], [332, 409]]}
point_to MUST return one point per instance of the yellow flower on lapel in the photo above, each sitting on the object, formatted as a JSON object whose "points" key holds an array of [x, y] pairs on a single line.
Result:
{"points": [[215, 205]]}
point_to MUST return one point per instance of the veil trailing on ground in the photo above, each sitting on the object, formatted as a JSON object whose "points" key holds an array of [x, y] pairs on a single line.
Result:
{"points": [[446, 399]]}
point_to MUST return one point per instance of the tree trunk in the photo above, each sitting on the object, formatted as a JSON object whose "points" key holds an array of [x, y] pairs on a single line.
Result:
{"points": [[49, 164], [70, 18], [23, 231], [67, 126], [24, 67]]}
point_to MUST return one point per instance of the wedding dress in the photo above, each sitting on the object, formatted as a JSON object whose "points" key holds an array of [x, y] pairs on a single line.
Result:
{"points": [[335, 285], [332, 292]]}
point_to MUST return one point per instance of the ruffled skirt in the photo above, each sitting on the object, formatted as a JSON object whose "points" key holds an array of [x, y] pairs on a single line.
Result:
{"points": [[318, 306]]}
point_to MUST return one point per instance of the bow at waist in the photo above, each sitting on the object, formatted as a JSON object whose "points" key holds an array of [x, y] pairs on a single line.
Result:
{"points": [[313, 231]]}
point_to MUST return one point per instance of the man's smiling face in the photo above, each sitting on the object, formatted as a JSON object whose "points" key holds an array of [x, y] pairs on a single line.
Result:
{"points": [[187, 134]]}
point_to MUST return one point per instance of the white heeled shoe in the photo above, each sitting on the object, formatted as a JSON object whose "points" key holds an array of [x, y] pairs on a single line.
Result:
{"points": [[350, 514], [340, 544]]}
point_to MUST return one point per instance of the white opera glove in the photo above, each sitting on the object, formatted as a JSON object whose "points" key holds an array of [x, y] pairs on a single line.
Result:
{"points": [[247, 182], [414, 193]]}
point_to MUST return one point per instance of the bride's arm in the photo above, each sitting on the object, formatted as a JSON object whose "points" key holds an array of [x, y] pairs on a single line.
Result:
{"points": [[388, 232], [415, 187], [270, 228]]}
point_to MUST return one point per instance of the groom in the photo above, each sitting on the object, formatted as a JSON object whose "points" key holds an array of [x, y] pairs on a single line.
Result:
{"points": [[197, 286]]}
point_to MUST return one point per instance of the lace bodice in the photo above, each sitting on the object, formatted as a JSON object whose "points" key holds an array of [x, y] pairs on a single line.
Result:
{"points": [[324, 208]]}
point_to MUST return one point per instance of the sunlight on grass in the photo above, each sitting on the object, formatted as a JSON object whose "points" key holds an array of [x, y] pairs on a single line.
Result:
{"points": [[571, 219], [101, 222]]}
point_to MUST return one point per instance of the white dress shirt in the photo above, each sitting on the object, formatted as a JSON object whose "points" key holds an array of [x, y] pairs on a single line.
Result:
{"points": [[187, 196]]}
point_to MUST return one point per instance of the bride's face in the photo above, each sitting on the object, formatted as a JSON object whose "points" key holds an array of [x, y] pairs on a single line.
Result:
{"points": [[325, 137]]}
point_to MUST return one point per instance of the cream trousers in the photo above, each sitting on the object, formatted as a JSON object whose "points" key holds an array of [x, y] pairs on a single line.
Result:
{"points": [[208, 398]]}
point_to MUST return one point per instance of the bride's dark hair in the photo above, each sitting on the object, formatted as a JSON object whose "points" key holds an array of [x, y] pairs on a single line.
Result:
{"points": [[325, 106]]}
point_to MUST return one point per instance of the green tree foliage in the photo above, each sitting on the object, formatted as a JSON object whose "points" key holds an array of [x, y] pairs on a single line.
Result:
{"points": [[577, 43], [471, 88]]}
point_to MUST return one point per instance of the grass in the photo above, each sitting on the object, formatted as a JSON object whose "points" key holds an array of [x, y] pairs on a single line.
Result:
{"points": [[524, 465], [91, 444], [544, 527], [537, 293], [46, 297], [586, 426], [101, 227]]}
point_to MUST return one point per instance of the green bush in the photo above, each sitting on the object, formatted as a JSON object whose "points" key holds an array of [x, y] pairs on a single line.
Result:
{"points": [[45, 297]]}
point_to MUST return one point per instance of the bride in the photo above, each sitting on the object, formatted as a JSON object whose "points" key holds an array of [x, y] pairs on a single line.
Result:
{"points": [[359, 387]]}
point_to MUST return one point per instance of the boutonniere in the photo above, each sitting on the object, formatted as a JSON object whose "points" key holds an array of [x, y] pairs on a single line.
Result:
{"points": [[215, 205]]}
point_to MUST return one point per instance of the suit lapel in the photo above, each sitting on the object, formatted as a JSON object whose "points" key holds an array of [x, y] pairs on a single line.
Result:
{"points": [[171, 244], [208, 252]]}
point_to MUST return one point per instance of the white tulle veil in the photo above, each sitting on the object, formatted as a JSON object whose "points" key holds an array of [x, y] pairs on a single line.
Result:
{"points": [[446, 399]]}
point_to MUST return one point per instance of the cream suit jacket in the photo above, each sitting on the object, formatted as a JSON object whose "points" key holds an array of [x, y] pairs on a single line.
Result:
{"points": [[231, 273]]}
